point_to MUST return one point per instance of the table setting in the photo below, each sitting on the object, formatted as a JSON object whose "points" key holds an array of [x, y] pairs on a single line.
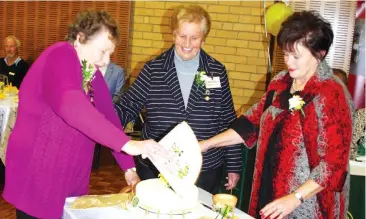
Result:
{"points": [[204, 210], [173, 195], [8, 112]]}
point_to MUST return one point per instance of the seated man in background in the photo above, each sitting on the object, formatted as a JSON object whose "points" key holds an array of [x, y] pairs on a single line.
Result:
{"points": [[114, 77], [12, 65]]}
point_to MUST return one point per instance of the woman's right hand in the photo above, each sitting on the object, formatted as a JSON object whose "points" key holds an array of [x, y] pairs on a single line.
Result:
{"points": [[146, 148]]}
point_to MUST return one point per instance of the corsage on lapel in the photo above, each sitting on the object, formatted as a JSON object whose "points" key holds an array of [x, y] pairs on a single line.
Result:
{"points": [[296, 103], [200, 80], [88, 72]]}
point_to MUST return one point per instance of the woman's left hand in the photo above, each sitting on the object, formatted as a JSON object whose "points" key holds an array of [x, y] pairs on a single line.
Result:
{"points": [[204, 146], [132, 178], [281, 207]]}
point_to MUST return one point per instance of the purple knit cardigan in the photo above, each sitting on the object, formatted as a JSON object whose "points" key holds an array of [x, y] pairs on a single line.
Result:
{"points": [[50, 151]]}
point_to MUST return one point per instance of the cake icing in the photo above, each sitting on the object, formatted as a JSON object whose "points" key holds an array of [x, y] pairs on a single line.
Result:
{"points": [[155, 196]]}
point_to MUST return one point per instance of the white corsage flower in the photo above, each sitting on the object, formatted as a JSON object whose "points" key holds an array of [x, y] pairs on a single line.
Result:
{"points": [[296, 103], [200, 78]]}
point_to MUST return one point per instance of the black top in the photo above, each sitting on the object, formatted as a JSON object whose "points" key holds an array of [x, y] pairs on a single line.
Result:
{"points": [[20, 69]]}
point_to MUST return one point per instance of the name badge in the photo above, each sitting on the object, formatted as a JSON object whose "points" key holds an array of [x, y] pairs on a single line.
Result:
{"points": [[212, 82], [11, 73]]}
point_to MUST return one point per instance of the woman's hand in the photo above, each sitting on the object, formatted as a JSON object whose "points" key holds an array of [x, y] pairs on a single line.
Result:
{"points": [[232, 180], [281, 207], [146, 148], [228, 137], [204, 146], [132, 178]]}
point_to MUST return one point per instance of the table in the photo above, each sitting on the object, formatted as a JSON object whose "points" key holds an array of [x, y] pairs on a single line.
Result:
{"points": [[357, 168], [8, 114], [117, 213]]}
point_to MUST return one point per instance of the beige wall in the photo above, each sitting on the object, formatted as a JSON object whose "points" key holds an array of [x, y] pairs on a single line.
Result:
{"points": [[236, 39]]}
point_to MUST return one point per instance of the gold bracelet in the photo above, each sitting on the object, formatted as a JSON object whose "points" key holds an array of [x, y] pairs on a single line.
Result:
{"points": [[133, 169]]}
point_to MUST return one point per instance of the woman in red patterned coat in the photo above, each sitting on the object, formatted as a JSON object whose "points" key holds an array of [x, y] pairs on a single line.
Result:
{"points": [[303, 129]]}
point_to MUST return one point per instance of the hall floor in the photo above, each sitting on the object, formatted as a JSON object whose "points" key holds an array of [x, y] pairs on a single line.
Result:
{"points": [[105, 180]]}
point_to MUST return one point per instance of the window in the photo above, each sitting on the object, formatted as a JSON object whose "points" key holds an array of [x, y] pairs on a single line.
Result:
{"points": [[341, 14]]}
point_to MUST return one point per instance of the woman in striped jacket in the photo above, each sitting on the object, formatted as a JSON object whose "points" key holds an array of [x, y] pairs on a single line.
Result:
{"points": [[172, 89]]}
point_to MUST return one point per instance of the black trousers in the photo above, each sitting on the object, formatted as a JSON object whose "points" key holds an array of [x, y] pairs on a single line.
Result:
{"points": [[23, 215], [209, 180]]}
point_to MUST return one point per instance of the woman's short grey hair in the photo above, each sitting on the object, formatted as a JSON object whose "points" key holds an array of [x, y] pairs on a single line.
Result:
{"points": [[192, 13]]}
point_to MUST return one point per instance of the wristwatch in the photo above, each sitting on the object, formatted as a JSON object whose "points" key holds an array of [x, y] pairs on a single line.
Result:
{"points": [[299, 196], [133, 169]]}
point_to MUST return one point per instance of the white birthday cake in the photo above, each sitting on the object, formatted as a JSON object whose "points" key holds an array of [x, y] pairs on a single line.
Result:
{"points": [[156, 197], [175, 192]]}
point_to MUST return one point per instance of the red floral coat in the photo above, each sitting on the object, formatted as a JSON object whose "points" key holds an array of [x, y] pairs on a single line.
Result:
{"points": [[312, 146]]}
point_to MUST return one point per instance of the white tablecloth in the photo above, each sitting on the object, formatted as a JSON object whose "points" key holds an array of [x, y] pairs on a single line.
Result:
{"points": [[118, 213], [8, 114], [357, 168]]}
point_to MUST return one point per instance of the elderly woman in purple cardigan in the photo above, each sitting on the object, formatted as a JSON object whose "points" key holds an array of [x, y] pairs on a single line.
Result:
{"points": [[64, 108]]}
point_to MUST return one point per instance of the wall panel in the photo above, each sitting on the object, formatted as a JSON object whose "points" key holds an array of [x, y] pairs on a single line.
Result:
{"points": [[39, 24]]}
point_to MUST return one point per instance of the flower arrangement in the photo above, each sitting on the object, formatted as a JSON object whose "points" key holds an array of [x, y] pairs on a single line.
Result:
{"points": [[88, 72], [296, 103], [225, 211], [199, 78], [224, 205]]}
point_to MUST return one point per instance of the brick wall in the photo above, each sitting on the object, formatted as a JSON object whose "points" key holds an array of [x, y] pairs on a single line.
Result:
{"points": [[236, 39]]}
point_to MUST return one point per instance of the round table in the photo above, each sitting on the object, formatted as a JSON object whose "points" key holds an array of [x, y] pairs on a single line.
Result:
{"points": [[8, 114]]}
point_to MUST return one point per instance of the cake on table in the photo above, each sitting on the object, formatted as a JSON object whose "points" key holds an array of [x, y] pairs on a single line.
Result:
{"points": [[175, 192], [156, 197], [174, 195]]}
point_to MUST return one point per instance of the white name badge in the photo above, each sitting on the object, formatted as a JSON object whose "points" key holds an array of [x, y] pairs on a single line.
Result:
{"points": [[11, 73], [212, 82]]}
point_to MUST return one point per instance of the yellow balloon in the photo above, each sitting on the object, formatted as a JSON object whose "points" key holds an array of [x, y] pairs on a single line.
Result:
{"points": [[275, 15]]}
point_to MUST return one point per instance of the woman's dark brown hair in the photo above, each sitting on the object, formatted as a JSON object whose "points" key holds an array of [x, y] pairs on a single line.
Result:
{"points": [[90, 22], [309, 29]]}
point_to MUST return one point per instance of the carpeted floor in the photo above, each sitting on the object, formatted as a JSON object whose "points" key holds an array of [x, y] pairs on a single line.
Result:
{"points": [[106, 180]]}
